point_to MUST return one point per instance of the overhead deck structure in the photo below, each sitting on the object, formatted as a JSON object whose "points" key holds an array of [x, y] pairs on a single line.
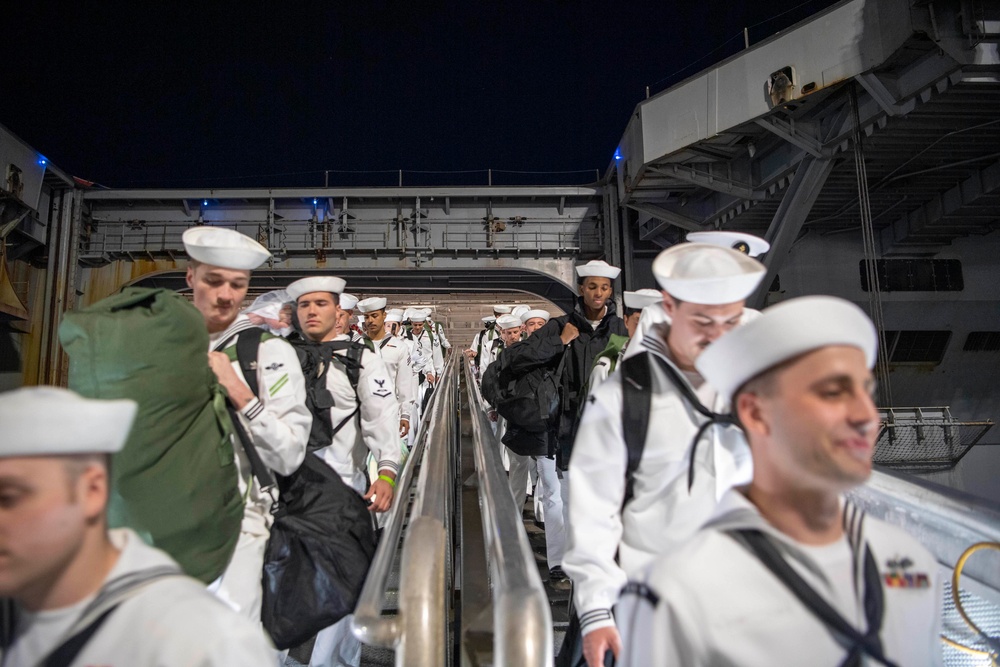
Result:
{"points": [[762, 142]]}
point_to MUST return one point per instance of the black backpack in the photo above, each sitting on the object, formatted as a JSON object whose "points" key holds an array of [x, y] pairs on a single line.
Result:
{"points": [[529, 402]]}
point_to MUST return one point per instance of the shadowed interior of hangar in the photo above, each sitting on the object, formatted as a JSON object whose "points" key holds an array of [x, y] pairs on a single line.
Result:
{"points": [[458, 297]]}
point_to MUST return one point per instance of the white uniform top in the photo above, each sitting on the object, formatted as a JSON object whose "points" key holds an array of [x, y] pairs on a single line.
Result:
{"points": [[278, 420], [662, 513], [399, 365], [378, 430], [430, 353], [172, 621], [490, 353], [719, 605], [439, 335]]}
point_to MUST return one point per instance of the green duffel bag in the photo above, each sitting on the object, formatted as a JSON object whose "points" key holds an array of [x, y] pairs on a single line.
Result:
{"points": [[175, 481]]}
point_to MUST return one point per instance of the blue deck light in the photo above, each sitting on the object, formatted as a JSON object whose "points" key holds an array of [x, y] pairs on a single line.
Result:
{"points": [[618, 154], [204, 202], [42, 161]]}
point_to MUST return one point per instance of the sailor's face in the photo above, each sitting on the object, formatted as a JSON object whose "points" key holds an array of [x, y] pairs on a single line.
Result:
{"points": [[533, 325], [375, 323], [318, 315], [510, 336], [45, 509], [344, 321], [595, 292], [632, 322], [218, 293], [818, 420], [418, 328], [693, 326]]}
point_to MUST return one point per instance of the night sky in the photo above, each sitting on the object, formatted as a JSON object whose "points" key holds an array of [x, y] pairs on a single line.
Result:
{"points": [[140, 94]]}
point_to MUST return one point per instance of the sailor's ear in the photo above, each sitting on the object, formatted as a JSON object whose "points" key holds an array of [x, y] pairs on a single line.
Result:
{"points": [[750, 411], [189, 276]]}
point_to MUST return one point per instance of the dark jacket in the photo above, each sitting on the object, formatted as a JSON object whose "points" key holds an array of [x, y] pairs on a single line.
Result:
{"points": [[544, 348]]}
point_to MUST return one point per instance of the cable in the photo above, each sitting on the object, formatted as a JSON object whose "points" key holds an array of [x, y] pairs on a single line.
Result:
{"points": [[871, 259], [993, 642]]}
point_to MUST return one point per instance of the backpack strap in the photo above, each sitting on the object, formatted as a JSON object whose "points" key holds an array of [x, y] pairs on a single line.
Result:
{"points": [[637, 400], [247, 342], [352, 368], [858, 644]]}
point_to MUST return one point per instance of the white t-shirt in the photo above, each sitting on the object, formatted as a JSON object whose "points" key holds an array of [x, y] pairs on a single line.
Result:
{"points": [[835, 559], [40, 632]]}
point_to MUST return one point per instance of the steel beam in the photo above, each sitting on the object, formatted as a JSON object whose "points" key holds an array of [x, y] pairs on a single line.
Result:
{"points": [[666, 218], [941, 205], [787, 131], [709, 181], [363, 193], [789, 218]]}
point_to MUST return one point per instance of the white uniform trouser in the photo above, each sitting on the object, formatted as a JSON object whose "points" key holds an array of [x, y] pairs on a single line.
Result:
{"points": [[549, 492], [240, 585], [518, 477], [336, 646]]}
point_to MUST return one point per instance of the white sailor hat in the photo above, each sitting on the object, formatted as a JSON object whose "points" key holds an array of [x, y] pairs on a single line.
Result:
{"points": [[348, 301], [519, 309], [784, 332], [598, 267], [508, 322], [489, 318], [52, 421], [748, 244], [428, 313], [371, 304], [302, 286], [225, 248], [531, 314], [394, 315], [639, 299], [417, 315], [707, 274], [500, 309]]}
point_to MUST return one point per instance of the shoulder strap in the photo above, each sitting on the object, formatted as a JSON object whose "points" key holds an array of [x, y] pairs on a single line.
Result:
{"points": [[352, 367], [637, 399], [247, 342], [859, 644], [67, 652]]}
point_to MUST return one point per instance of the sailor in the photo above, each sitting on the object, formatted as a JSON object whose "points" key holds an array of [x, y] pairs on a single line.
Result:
{"points": [[68, 575], [272, 311], [516, 464], [548, 490], [748, 244], [347, 304], [482, 340], [579, 337], [365, 419], [747, 589], [611, 534], [316, 301], [394, 353], [438, 330], [518, 311], [429, 353], [609, 357], [277, 420]]}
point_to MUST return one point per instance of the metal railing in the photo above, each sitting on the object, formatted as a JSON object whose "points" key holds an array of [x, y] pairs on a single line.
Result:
{"points": [[522, 619], [419, 632]]}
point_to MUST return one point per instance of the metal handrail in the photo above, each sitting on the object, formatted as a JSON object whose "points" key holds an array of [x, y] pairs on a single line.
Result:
{"points": [[522, 619], [418, 632]]}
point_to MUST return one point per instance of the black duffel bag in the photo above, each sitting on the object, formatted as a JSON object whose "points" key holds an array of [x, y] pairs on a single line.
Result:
{"points": [[321, 546]]}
